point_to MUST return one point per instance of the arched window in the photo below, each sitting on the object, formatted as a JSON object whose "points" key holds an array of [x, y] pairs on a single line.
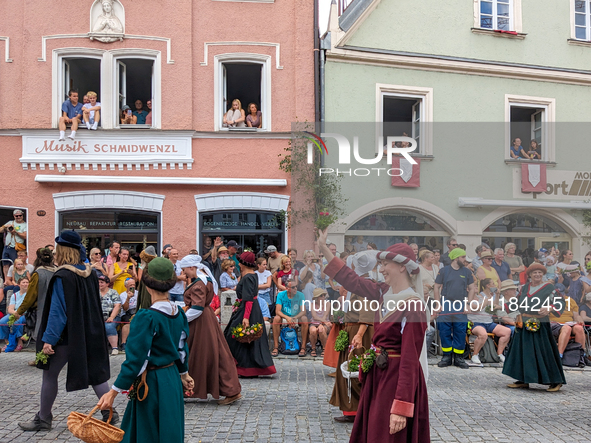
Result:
{"points": [[390, 226]]}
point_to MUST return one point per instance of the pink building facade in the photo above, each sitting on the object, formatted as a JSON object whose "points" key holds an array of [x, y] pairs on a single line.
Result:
{"points": [[183, 177]]}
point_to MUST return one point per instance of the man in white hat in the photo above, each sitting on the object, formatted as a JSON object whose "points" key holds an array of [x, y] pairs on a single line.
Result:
{"points": [[16, 238]]}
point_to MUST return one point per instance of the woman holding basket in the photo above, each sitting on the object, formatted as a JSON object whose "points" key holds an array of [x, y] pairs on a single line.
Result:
{"points": [[157, 350], [393, 406]]}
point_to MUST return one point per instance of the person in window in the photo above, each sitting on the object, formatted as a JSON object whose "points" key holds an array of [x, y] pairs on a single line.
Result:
{"points": [[235, 116], [91, 112], [517, 151], [140, 113], [535, 151], [127, 117], [254, 119], [71, 115], [149, 116]]}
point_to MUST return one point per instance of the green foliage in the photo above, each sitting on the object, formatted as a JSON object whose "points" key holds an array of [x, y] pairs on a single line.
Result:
{"points": [[323, 202], [342, 341], [367, 360], [354, 363], [40, 357], [587, 224]]}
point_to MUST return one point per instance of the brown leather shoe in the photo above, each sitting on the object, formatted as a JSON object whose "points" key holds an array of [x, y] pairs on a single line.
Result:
{"points": [[345, 419], [332, 374], [518, 385], [230, 400]]}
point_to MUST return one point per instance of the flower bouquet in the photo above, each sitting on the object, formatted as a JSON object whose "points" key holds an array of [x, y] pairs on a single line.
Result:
{"points": [[42, 358], [236, 305], [532, 325], [247, 335], [342, 341], [368, 359]]}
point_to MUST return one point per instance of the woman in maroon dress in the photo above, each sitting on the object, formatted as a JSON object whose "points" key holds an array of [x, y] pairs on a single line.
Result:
{"points": [[394, 404]]}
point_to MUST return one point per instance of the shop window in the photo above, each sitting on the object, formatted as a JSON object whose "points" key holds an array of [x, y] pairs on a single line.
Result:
{"points": [[406, 111], [531, 127], [135, 82], [243, 77]]}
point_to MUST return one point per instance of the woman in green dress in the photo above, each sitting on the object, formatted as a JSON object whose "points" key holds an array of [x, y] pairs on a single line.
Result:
{"points": [[533, 354], [156, 353]]}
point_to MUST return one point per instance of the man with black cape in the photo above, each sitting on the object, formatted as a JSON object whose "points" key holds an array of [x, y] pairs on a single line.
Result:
{"points": [[72, 331]]}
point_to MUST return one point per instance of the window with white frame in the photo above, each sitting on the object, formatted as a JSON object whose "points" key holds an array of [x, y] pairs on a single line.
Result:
{"points": [[406, 111], [119, 78], [242, 81], [582, 19], [530, 133], [496, 15]]}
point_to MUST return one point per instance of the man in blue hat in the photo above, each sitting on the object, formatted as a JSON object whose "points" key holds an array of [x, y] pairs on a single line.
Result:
{"points": [[71, 331]]}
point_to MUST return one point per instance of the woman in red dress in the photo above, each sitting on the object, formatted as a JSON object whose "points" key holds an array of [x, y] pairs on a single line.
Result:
{"points": [[394, 406]]}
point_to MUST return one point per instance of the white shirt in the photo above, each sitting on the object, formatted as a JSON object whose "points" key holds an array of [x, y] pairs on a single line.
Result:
{"points": [[12, 238], [263, 276], [28, 267], [91, 114], [179, 288], [132, 300]]}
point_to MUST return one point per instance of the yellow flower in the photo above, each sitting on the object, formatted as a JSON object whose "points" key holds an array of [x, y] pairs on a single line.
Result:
{"points": [[241, 335]]}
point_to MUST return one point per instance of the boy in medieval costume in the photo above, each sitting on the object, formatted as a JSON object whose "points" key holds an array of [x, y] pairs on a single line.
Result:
{"points": [[71, 331], [211, 363], [393, 406], [157, 353], [359, 328]]}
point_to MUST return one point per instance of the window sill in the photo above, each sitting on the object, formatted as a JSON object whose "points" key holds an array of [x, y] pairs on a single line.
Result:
{"points": [[122, 126], [575, 42], [504, 34], [512, 161]]}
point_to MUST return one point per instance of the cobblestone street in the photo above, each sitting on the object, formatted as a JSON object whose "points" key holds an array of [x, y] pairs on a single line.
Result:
{"points": [[466, 405]]}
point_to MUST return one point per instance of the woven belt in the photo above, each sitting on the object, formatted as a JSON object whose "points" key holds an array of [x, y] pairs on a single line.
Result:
{"points": [[392, 353], [143, 380], [351, 324]]}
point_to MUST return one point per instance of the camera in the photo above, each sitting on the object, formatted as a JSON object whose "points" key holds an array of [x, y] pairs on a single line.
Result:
{"points": [[10, 228]]}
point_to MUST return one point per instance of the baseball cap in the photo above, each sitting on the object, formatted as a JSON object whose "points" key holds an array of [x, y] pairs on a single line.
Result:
{"points": [[544, 250], [125, 108], [270, 249], [18, 212], [232, 244]]}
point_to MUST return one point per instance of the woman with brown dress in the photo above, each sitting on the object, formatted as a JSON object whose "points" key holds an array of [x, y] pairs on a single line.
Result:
{"points": [[210, 362], [359, 327]]}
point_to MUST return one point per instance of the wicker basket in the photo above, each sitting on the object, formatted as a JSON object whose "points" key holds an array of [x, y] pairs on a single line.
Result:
{"points": [[251, 337], [347, 375], [91, 430]]}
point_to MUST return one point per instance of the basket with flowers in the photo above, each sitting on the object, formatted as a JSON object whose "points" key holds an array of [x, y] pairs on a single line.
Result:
{"points": [[247, 335]]}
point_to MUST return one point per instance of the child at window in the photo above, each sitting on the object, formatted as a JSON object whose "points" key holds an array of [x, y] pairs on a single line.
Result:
{"points": [[91, 111]]}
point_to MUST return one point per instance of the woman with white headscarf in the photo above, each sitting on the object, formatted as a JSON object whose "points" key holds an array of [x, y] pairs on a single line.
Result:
{"points": [[394, 406], [210, 361]]}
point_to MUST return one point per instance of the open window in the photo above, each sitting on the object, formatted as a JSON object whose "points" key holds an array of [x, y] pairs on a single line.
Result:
{"points": [[245, 77], [82, 74], [243, 82], [406, 111], [531, 126], [135, 81], [402, 117]]}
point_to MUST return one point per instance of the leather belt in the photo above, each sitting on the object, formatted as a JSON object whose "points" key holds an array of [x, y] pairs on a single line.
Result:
{"points": [[143, 380]]}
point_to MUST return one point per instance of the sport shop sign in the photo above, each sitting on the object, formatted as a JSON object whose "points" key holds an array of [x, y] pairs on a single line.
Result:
{"points": [[90, 150], [560, 185]]}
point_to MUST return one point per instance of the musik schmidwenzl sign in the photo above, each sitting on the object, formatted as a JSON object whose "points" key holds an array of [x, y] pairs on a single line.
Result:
{"points": [[94, 148]]}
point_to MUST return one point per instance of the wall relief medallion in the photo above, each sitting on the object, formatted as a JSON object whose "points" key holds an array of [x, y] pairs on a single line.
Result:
{"points": [[107, 21]]}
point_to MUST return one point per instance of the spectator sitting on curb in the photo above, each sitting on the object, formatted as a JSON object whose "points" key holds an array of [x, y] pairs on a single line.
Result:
{"points": [[290, 309]]}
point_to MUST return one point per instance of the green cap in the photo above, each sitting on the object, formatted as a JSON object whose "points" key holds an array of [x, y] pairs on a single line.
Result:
{"points": [[456, 253], [161, 269]]}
